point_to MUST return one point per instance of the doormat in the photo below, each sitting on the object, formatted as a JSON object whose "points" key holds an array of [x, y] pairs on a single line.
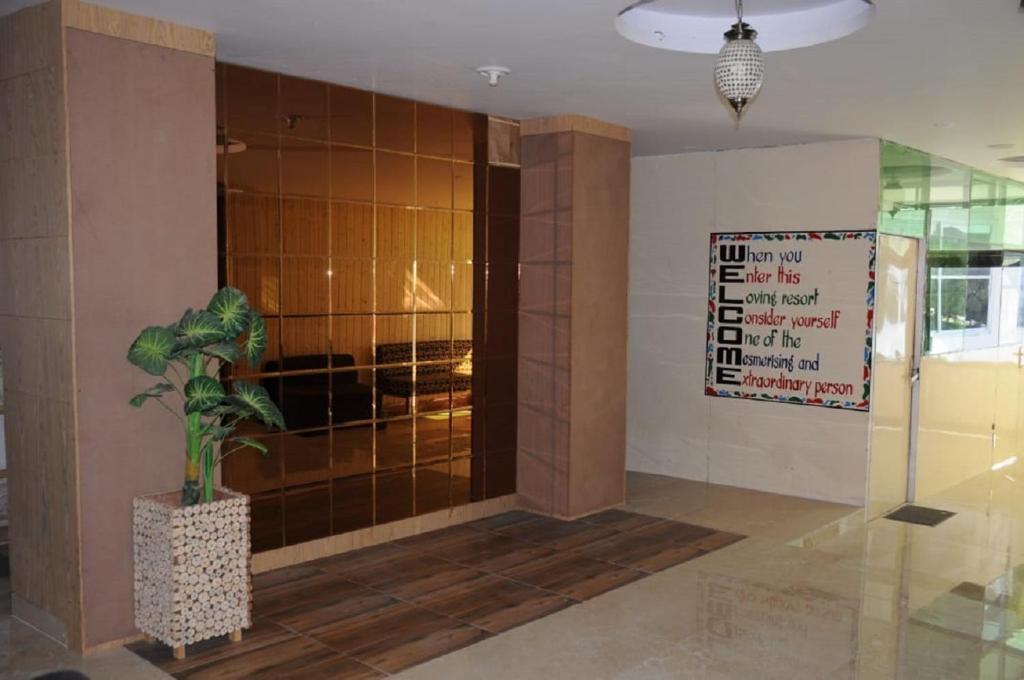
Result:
{"points": [[916, 514]]}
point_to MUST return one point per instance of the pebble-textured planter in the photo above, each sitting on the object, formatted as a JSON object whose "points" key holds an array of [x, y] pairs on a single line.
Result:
{"points": [[192, 578]]}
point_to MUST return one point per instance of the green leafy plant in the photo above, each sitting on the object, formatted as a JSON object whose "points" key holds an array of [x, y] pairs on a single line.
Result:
{"points": [[186, 355]]}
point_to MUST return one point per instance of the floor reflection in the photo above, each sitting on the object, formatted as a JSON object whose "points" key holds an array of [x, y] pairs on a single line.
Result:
{"points": [[743, 621], [984, 624], [879, 601]]}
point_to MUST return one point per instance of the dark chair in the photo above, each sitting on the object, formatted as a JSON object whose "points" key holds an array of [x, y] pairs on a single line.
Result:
{"points": [[303, 398]]}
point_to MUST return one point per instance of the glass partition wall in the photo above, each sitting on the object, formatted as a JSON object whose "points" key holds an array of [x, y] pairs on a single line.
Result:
{"points": [[971, 408], [357, 224], [973, 225]]}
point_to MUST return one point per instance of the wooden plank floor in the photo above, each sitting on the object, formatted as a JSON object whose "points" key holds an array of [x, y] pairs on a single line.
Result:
{"points": [[377, 611]]}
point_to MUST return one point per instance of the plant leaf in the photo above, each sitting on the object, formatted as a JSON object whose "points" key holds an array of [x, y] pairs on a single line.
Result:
{"points": [[202, 393], [231, 308], [199, 328], [256, 342], [258, 399], [152, 350], [254, 443], [220, 432], [229, 409], [155, 392], [225, 351]]}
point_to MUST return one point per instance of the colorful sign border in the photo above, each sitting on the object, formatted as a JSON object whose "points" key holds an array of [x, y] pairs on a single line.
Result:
{"points": [[845, 235]]}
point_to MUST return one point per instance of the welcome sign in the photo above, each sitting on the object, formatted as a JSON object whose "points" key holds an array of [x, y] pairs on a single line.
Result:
{"points": [[790, 317]]}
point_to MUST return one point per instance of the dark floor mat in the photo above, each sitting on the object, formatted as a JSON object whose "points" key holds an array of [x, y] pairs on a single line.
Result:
{"points": [[916, 514]]}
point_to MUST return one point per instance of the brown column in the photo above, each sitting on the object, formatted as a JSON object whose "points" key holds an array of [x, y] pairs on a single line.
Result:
{"points": [[572, 315], [109, 225]]}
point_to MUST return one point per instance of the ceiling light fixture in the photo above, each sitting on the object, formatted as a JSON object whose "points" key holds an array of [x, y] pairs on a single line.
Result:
{"points": [[493, 74], [739, 69]]}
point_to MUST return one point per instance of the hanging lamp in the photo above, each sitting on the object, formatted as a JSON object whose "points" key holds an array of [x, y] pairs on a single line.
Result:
{"points": [[739, 69]]}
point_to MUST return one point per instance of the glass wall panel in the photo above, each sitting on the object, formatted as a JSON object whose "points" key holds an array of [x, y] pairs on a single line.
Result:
{"points": [[357, 225], [971, 222]]}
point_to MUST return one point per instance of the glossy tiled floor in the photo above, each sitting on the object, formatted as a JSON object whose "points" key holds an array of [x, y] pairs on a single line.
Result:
{"points": [[881, 601], [383, 609]]}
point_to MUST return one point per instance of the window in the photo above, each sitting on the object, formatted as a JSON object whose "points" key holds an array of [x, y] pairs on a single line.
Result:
{"points": [[974, 301], [959, 299]]}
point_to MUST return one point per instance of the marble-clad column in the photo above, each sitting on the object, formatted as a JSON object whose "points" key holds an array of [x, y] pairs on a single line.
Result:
{"points": [[572, 315]]}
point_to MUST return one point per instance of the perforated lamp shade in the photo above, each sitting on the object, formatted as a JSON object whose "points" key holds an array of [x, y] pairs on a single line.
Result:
{"points": [[739, 69]]}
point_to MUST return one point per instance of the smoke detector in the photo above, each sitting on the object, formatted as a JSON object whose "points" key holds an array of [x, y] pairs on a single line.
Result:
{"points": [[493, 74]]}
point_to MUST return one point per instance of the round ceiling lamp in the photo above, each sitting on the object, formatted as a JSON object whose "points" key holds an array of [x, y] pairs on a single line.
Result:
{"points": [[739, 69], [696, 26]]}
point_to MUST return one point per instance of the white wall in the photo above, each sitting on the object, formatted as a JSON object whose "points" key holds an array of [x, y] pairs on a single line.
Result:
{"points": [[672, 427]]}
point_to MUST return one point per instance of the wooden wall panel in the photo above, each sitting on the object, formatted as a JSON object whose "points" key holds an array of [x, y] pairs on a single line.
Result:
{"points": [[35, 325], [572, 368], [575, 123], [117, 24], [71, 569]]}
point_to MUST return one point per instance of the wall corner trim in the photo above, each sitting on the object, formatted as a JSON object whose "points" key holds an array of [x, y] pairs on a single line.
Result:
{"points": [[114, 23], [575, 123]]}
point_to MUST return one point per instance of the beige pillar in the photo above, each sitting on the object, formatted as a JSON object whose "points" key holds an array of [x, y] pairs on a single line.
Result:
{"points": [[572, 315], [108, 188]]}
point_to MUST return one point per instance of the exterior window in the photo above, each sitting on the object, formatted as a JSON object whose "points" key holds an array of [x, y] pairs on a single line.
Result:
{"points": [[977, 306], [959, 299]]}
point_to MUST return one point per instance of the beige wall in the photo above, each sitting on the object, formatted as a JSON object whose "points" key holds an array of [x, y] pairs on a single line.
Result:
{"points": [[92, 109], [672, 427]]}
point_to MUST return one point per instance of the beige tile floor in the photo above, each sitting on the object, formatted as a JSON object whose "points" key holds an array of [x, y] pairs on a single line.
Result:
{"points": [[882, 600]]}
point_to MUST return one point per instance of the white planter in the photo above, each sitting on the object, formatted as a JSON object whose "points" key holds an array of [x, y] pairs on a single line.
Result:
{"points": [[192, 579]]}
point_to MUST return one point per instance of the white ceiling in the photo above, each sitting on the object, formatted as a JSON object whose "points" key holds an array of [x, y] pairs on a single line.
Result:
{"points": [[946, 76]]}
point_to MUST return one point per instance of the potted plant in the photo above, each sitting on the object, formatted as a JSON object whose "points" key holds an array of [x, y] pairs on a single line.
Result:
{"points": [[191, 548]]}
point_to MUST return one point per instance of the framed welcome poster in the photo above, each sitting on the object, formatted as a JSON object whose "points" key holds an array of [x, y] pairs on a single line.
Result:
{"points": [[790, 317]]}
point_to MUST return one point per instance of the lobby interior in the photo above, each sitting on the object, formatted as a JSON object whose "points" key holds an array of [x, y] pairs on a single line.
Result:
{"points": [[519, 439]]}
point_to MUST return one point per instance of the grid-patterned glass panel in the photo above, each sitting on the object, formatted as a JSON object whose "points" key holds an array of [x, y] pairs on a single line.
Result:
{"points": [[349, 219]]}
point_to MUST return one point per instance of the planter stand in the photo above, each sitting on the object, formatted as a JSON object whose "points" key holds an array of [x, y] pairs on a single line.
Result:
{"points": [[192, 578]]}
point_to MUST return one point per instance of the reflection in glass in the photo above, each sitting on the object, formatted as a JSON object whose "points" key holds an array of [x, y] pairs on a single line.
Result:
{"points": [[351, 174], [303, 108], [351, 115], [305, 513], [266, 515], [252, 224], [394, 443], [973, 225], [305, 285], [433, 436], [433, 130], [351, 503], [432, 488], [393, 496], [259, 278], [305, 226], [348, 221], [395, 178], [395, 123]]}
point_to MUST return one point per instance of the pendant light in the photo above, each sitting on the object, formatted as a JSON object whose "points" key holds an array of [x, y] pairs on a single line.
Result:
{"points": [[739, 69]]}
